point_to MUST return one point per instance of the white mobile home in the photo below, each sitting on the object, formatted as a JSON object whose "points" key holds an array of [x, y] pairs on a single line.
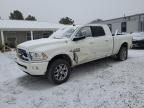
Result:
{"points": [[129, 24]]}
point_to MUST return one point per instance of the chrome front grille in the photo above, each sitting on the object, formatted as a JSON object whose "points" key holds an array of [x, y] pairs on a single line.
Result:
{"points": [[22, 54]]}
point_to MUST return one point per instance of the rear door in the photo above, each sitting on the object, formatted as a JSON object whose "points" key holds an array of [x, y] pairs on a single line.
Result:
{"points": [[102, 44]]}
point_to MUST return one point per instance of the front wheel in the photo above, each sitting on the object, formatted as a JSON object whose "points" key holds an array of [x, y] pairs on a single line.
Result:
{"points": [[123, 53], [58, 71]]}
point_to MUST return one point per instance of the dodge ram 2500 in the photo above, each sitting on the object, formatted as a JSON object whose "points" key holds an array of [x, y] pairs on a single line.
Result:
{"points": [[68, 47]]}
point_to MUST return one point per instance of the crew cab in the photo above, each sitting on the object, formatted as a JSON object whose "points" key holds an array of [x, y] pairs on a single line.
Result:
{"points": [[68, 47]]}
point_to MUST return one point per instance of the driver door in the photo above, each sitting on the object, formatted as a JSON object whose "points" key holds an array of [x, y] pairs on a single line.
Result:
{"points": [[82, 47]]}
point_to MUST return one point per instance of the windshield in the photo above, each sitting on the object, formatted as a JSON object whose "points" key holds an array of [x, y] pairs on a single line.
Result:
{"points": [[64, 32]]}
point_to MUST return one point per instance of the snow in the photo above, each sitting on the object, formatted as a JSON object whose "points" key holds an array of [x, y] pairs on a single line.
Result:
{"points": [[26, 25], [40, 42], [104, 83]]}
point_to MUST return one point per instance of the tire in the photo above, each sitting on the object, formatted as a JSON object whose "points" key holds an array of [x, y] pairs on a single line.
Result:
{"points": [[58, 71], [123, 53]]}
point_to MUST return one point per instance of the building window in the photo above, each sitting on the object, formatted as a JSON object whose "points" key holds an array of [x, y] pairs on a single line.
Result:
{"points": [[11, 39], [47, 34], [110, 27], [28, 34], [11, 42], [123, 27], [142, 26], [37, 35]]}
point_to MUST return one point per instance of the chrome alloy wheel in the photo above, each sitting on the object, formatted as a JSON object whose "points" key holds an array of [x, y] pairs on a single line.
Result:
{"points": [[61, 72]]}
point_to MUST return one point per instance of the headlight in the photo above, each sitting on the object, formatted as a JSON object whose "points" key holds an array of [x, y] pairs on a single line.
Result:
{"points": [[38, 56]]}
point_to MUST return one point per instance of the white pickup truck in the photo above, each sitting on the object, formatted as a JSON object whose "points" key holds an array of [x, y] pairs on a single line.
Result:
{"points": [[68, 47]]}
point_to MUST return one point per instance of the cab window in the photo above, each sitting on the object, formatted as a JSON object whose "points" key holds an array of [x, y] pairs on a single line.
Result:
{"points": [[84, 32], [97, 31]]}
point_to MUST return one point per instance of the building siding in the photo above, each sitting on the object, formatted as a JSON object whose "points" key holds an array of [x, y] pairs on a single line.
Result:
{"points": [[132, 26], [135, 23], [116, 26]]}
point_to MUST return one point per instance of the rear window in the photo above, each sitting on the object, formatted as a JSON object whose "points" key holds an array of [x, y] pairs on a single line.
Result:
{"points": [[97, 31]]}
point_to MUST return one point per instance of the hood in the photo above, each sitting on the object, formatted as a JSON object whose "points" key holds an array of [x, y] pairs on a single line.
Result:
{"points": [[41, 42], [138, 37]]}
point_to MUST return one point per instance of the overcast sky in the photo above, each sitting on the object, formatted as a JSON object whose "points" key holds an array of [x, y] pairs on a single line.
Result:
{"points": [[82, 11]]}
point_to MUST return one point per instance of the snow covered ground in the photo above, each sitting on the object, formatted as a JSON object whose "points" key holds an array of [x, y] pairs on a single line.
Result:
{"points": [[104, 83]]}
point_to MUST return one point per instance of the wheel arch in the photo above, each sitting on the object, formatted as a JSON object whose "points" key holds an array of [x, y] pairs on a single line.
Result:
{"points": [[49, 73], [124, 44], [61, 56]]}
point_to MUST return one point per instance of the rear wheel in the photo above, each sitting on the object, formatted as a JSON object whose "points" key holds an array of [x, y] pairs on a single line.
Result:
{"points": [[58, 71], [123, 53]]}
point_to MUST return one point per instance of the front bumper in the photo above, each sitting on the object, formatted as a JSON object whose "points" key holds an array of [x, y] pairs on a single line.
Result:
{"points": [[39, 68], [139, 43]]}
